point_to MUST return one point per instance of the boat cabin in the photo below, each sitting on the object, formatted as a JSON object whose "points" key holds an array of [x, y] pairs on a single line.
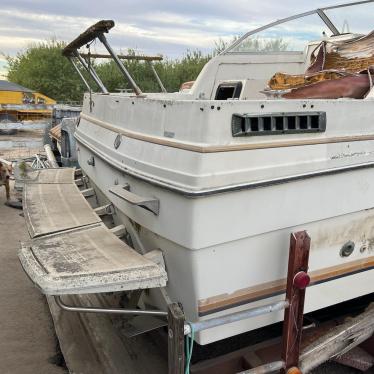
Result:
{"points": [[274, 136]]}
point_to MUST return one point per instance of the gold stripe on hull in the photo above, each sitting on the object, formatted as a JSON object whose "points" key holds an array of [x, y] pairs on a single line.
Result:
{"points": [[270, 289], [224, 148]]}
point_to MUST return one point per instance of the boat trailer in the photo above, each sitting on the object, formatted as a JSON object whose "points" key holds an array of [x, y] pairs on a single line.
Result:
{"points": [[71, 251]]}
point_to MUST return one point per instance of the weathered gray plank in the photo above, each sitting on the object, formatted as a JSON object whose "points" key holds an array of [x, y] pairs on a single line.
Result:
{"points": [[87, 260], [48, 176], [51, 208]]}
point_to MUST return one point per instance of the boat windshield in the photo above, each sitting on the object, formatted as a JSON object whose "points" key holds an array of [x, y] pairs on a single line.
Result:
{"points": [[289, 36], [357, 19], [294, 33]]}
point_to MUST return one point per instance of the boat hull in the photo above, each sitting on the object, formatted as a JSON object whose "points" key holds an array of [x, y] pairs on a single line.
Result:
{"points": [[228, 252]]}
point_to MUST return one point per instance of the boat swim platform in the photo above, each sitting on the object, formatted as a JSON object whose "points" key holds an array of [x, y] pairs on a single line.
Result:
{"points": [[71, 251]]}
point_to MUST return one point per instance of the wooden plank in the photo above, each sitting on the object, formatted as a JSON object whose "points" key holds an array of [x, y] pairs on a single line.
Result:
{"points": [[51, 208], [176, 339], [339, 340], [90, 34], [294, 314], [88, 260], [48, 176]]}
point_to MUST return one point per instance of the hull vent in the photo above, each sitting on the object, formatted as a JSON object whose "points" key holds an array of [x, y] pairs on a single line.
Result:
{"points": [[278, 123]]}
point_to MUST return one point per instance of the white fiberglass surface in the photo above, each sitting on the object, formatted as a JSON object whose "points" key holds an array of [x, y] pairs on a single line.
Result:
{"points": [[290, 36], [356, 19]]}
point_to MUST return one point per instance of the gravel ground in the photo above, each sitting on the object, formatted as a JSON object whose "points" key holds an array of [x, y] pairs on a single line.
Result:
{"points": [[27, 341]]}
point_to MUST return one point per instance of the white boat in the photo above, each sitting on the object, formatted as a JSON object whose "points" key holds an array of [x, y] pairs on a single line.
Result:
{"points": [[219, 175]]}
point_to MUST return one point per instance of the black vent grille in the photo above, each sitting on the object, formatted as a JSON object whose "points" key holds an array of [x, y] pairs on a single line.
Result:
{"points": [[278, 123]]}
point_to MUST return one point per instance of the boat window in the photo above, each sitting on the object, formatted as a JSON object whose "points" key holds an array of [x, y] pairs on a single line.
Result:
{"points": [[357, 19], [229, 90], [289, 36]]}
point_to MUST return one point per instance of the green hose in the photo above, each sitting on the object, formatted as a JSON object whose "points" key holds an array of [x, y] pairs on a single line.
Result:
{"points": [[189, 349]]}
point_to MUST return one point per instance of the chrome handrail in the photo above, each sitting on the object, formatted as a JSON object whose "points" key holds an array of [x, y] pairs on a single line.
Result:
{"points": [[320, 12]]}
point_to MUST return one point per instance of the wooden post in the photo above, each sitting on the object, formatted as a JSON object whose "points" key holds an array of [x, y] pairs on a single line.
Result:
{"points": [[297, 281], [176, 339]]}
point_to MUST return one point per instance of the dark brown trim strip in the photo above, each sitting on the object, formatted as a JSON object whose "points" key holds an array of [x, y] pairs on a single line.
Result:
{"points": [[249, 295]]}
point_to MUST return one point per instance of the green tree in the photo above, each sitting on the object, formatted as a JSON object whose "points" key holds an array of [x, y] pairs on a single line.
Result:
{"points": [[42, 68], [171, 72], [253, 44]]}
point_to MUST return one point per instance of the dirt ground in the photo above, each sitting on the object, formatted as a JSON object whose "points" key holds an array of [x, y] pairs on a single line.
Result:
{"points": [[27, 341], [23, 144]]}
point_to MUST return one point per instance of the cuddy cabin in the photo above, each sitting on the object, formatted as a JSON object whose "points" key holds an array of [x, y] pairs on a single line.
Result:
{"points": [[274, 136], [236, 167]]}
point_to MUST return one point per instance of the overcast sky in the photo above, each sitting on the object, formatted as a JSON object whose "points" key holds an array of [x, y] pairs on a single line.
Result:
{"points": [[169, 27]]}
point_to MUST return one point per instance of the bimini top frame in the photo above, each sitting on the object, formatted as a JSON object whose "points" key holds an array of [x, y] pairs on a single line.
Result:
{"points": [[97, 31], [320, 12]]}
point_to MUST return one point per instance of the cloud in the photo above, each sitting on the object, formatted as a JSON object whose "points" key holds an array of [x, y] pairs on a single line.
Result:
{"points": [[166, 26], [3, 68]]}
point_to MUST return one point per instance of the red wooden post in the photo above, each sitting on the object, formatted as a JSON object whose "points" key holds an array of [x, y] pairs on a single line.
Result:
{"points": [[297, 281], [176, 339]]}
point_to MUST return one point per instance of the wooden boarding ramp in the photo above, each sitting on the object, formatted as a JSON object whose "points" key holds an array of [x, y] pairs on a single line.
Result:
{"points": [[71, 250]]}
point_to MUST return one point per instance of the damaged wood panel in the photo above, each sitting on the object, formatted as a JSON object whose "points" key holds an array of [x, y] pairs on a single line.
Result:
{"points": [[90, 34], [336, 71]]}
